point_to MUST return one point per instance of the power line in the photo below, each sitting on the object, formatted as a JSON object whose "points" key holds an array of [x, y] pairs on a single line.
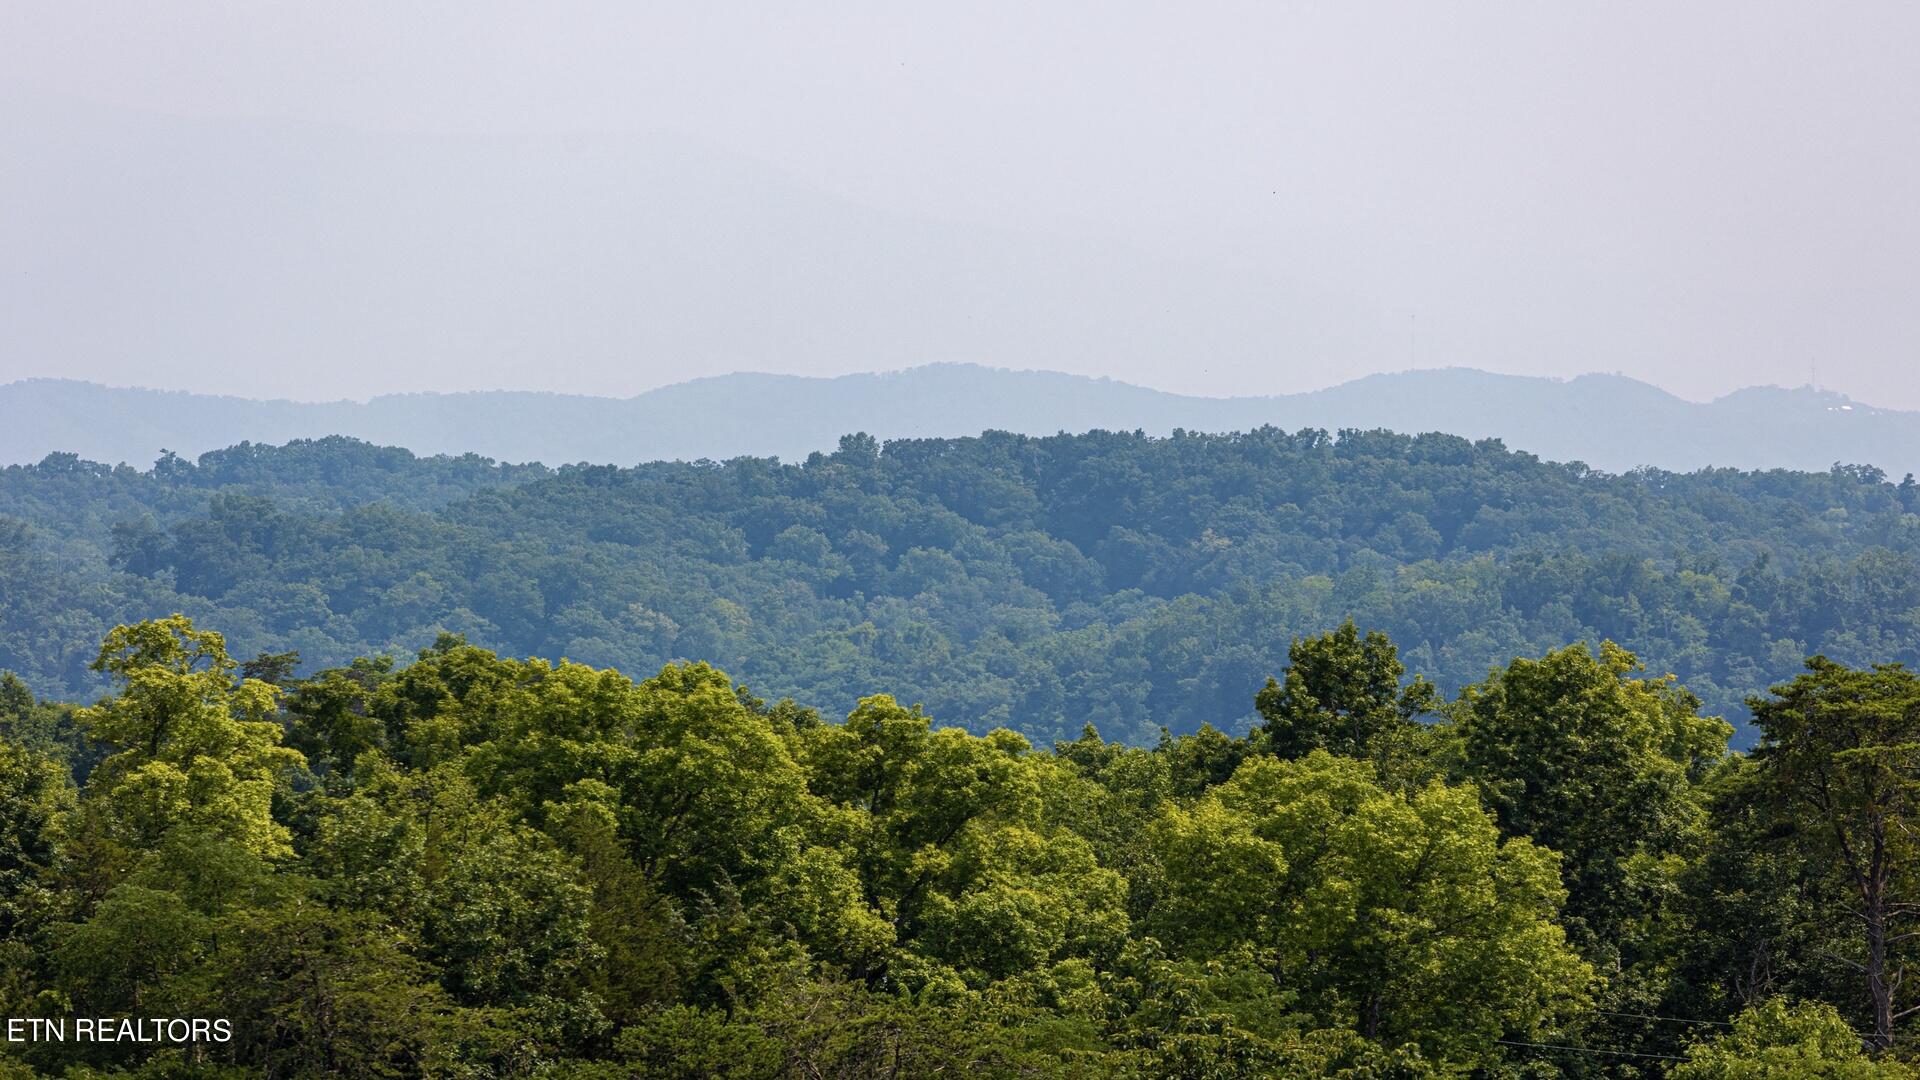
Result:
{"points": [[1591, 1050], [1671, 1019], [1721, 1023]]}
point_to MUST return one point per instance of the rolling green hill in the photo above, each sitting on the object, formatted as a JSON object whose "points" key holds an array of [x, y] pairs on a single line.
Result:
{"points": [[1037, 583]]}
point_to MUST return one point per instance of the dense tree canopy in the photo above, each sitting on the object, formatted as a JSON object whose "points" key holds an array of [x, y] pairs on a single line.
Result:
{"points": [[1032, 583], [470, 865], [1210, 756], [1775, 1041]]}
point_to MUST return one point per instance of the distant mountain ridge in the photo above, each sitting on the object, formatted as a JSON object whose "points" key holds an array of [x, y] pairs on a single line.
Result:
{"points": [[1610, 422]]}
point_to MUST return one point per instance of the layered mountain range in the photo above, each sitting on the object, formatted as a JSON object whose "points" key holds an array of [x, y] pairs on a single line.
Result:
{"points": [[1609, 422]]}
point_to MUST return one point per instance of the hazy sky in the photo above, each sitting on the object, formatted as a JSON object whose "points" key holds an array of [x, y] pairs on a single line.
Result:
{"points": [[338, 199]]}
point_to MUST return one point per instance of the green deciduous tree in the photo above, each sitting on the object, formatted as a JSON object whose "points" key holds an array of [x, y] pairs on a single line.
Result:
{"points": [[1402, 916], [1341, 692], [955, 850], [1841, 754], [198, 747], [1780, 1041], [1578, 752], [35, 791]]}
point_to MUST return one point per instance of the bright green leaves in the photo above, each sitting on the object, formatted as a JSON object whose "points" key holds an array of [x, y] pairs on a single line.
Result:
{"points": [[954, 847], [1582, 755], [674, 793], [1222, 877], [1779, 1041], [1579, 752], [169, 645], [502, 866], [712, 788], [1404, 917], [1554, 741], [198, 747], [1012, 899]]}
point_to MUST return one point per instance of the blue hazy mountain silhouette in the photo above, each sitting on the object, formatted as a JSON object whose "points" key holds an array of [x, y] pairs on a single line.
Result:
{"points": [[1609, 422]]}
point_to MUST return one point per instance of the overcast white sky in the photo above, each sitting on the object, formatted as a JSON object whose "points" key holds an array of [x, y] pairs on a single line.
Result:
{"points": [[1248, 198]]}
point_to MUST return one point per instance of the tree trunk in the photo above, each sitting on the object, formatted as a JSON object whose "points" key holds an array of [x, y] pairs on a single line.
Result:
{"points": [[1873, 896], [1877, 985]]}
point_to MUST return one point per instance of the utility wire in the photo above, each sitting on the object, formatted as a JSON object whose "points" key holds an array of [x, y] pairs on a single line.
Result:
{"points": [[1635, 1053], [1717, 1023], [1671, 1019], [1590, 1050]]}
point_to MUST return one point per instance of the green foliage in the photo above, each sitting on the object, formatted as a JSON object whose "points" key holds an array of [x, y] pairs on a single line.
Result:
{"points": [[1003, 581], [1579, 753], [198, 748], [35, 792], [1841, 762], [1343, 695], [1403, 917], [317, 991], [1780, 1041], [16, 701], [468, 865], [955, 849]]}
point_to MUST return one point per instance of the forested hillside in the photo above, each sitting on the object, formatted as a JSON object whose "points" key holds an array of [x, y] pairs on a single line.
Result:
{"points": [[1032, 583], [471, 866]]}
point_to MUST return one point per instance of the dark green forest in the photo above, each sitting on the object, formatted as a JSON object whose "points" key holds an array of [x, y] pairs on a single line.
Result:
{"points": [[1036, 584], [1273, 754], [468, 865]]}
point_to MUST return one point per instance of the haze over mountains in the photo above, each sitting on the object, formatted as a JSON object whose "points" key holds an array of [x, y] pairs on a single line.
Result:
{"points": [[1609, 422], [283, 256], [218, 252], [222, 252]]}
